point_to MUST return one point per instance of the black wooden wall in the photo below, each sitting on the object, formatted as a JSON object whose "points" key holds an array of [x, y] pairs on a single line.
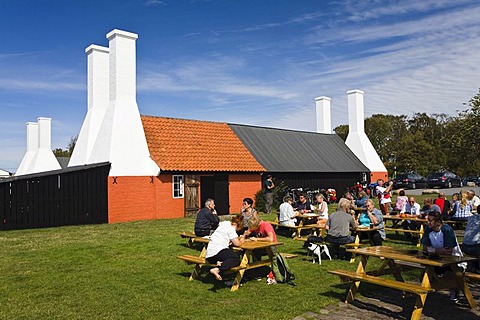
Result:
{"points": [[71, 196]]}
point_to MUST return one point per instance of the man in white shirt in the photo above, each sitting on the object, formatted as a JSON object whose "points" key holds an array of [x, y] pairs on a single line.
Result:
{"points": [[383, 194], [287, 215], [411, 208], [475, 200]]}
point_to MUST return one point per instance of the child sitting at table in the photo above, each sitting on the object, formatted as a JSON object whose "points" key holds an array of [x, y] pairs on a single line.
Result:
{"points": [[259, 230]]}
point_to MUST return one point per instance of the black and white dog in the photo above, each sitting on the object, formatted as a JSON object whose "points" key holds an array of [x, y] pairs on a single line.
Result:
{"points": [[317, 250]]}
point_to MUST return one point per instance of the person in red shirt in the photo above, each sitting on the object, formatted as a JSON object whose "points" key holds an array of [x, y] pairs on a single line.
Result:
{"points": [[259, 230], [444, 205]]}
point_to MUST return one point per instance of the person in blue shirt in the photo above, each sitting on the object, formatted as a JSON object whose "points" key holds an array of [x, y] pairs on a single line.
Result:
{"points": [[362, 198], [373, 217]]}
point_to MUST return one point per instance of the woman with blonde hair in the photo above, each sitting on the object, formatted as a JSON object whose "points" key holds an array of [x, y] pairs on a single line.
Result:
{"points": [[462, 210]]}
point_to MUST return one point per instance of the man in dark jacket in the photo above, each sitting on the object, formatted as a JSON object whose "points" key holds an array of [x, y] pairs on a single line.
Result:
{"points": [[207, 219]]}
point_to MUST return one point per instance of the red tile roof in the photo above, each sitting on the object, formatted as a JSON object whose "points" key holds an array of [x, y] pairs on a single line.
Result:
{"points": [[192, 145]]}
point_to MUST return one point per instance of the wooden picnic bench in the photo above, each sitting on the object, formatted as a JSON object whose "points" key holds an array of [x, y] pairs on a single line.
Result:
{"points": [[391, 266], [247, 261], [396, 219], [192, 238], [298, 229]]}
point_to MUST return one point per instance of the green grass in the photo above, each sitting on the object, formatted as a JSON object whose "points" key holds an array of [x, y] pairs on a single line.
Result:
{"points": [[129, 270]]}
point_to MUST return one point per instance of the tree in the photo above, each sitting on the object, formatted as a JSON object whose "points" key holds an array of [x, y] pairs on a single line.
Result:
{"points": [[59, 152]]}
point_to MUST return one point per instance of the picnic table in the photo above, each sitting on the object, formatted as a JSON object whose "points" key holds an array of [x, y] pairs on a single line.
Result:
{"points": [[247, 261], [391, 265], [396, 219], [301, 226]]}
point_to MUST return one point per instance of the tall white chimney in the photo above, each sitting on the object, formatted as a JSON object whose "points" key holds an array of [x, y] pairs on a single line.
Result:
{"points": [[44, 159], [357, 140], [324, 121], [32, 147], [121, 139], [98, 98]]}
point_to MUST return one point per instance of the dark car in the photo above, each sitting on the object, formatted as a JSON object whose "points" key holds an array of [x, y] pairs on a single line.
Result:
{"points": [[468, 180], [444, 179], [409, 180]]}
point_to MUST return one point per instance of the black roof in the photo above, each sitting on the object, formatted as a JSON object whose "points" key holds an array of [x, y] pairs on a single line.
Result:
{"points": [[280, 150]]}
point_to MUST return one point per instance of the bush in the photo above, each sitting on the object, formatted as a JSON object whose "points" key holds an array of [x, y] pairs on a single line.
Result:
{"points": [[278, 192]]}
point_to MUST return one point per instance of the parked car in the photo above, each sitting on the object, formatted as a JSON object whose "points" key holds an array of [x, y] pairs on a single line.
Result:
{"points": [[468, 180], [444, 179], [409, 180]]}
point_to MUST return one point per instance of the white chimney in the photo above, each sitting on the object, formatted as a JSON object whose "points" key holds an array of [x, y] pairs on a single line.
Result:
{"points": [[32, 147], [98, 98], [324, 122], [357, 140], [356, 112], [121, 139], [44, 159]]}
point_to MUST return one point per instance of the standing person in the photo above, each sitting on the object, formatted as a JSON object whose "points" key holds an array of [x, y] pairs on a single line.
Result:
{"points": [[402, 199], [219, 251], [339, 224], [383, 194], [269, 186], [373, 216], [440, 238], [207, 219], [471, 241], [443, 204]]}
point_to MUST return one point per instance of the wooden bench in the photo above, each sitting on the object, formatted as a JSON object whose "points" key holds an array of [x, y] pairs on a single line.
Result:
{"points": [[472, 276], [201, 262], [350, 276], [192, 238], [396, 230], [298, 229]]}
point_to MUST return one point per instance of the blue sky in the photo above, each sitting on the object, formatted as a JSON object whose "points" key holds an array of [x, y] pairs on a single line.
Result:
{"points": [[247, 61]]}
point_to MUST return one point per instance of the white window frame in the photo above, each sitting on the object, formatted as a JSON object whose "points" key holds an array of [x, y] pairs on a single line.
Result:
{"points": [[178, 185]]}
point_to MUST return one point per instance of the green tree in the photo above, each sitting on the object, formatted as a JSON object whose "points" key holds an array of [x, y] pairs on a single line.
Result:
{"points": [[59, 152]]}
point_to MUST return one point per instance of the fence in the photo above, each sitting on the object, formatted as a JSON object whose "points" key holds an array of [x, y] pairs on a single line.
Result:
{"points": [[71, 196]]}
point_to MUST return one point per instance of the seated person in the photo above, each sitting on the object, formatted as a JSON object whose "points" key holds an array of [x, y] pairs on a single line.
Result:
{"points": [[248, 212], [443, 204], [219, 251], [373, 217], [428, 207], [259, 230], [471, 241], [339, 224], [411, 208], [473, 199], [362, 198], [462, 210], [402, 199], [305, 206], [207, 219], [322, 209], [287, 215], [440, 238]]}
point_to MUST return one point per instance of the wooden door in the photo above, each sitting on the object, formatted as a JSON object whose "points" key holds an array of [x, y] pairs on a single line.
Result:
{"points": [[191, 195]]}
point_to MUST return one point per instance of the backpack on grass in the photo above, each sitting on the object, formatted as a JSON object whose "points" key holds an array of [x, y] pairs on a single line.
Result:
{"points": [[281, 269]]}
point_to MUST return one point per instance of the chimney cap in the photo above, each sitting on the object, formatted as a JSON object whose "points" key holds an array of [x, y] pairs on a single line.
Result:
{"points": [[44, 118], [355, 91], [94, 47], [121, 33], [322, 98]]}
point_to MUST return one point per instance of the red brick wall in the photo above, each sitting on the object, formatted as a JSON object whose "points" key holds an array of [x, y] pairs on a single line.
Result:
{"points": [[131, 198], [242, 186], [374, 176], [146, 198]]}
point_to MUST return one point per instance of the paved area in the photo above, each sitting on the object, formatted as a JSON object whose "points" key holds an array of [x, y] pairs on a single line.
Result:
{"points": [[389, 304]]}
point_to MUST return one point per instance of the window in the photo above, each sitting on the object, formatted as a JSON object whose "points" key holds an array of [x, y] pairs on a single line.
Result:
{"points": [[178, 186]]}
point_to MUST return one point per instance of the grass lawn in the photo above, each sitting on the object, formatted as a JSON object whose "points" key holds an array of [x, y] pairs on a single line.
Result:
{"points": [[129, 270]]}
